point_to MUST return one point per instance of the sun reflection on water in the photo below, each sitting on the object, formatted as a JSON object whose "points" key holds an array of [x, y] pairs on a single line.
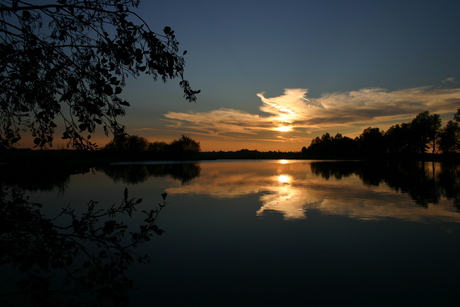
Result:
{"points": [[284, 179], [293, 191]]}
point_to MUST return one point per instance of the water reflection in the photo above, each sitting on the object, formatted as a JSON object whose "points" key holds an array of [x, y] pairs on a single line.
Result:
{"points": [[79, 257], [233, 231], [361, 190], [136, 173]]}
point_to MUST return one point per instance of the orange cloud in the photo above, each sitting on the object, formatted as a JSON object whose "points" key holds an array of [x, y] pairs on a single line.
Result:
{"points": [[292, 117]]}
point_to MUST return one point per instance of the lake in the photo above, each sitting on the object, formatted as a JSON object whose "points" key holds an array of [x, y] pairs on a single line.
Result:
{"points": [[284, 232]]}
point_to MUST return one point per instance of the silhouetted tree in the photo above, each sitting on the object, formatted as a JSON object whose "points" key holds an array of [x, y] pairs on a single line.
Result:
{"points": [[412, 138], [372, 142], [327, 145], [449, 138], [457, 116], [424, 130], [344, 145], [70, 59], [184, 146], [158, 147], [132, 143], [397, 139]]}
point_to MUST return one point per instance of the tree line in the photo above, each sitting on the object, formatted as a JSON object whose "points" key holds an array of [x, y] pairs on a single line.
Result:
{"points": [[424, 134], [135, 145]]}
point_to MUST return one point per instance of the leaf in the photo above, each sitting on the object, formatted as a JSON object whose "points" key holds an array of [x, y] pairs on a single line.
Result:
{"points": [[109, 227], [26, 14], [108, 90], [118, 90], [167, 30]]}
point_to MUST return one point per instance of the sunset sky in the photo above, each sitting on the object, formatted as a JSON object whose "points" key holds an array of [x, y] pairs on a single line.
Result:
{"points": [[275, 74]]}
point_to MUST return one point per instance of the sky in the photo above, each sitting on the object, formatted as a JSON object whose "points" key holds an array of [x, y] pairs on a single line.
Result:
{"points": [[275, 74]]}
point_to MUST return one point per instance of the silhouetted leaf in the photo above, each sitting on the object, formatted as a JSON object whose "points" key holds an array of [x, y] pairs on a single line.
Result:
{"points": [[26, 14], [109, 227], [108, 90]]}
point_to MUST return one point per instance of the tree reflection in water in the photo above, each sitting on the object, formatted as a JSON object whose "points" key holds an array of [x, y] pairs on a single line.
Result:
{"points": [[73, 258], [424, 182], [136, 173], [85, 256]]}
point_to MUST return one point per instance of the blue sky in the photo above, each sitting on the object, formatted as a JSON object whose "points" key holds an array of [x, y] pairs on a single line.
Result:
{"points": [[275, 74]]}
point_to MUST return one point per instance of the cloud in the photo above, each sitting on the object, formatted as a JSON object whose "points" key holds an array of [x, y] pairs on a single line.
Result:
{"points": [[294, 112], [449, 80], [143, 129]]}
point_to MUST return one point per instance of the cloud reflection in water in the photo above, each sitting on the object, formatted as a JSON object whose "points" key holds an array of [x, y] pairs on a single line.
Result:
{"points": [[292, 190]]}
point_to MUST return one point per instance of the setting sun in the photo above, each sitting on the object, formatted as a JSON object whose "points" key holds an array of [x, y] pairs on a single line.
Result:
{"points": [[284, 128]]}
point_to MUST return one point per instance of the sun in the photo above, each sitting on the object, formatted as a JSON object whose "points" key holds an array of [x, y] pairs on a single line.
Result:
{"points": [[284, 128]]}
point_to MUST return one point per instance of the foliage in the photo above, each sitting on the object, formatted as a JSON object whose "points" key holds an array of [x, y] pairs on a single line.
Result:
{"points": [[70, 59], [416, 137], [182, 147], [157, 147], [372, 142], [90, 249], [327, 145], [131, 143], [425, 128], [449, 138], [397, 139], [185, 146]]}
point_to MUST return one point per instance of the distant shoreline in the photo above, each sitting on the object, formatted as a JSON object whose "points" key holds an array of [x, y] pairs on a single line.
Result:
{"points": [[96, 158]]}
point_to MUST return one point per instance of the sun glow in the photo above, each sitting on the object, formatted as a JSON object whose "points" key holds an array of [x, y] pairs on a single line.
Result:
{"points": [[284, 128], [284, 179]]}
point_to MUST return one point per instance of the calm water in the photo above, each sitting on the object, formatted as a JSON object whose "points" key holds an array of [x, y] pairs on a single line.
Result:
{"points": [[286, 233]]}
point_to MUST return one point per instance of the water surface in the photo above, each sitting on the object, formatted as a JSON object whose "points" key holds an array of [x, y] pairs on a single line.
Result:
{"points": [[284, 232]]}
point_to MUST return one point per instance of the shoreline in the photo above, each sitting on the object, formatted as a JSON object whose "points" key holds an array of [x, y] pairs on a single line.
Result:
{"points": [[43, 158]]}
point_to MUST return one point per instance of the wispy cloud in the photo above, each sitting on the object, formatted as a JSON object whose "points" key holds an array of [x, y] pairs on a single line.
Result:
{"points": [[449, 80], [294, 111]]}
